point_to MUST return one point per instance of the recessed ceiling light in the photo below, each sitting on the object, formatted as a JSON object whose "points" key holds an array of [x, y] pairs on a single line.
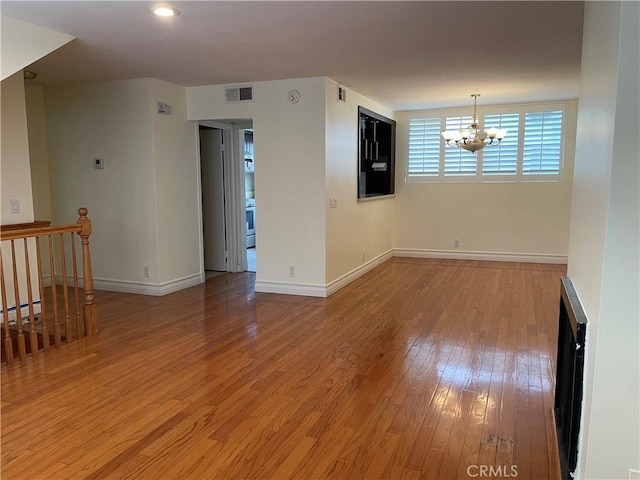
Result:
{"points": [[165, 11]]}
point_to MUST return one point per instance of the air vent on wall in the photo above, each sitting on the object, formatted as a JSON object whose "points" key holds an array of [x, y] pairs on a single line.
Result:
{"points": [[342, 94], [238, 94]]}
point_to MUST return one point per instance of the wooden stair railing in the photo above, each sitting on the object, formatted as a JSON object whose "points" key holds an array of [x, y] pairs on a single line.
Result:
{"points": [[48, 318]]}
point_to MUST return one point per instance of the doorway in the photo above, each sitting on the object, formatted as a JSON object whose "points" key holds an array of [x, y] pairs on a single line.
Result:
{"points": [[250, 200], [214, 233], [226, 192]]}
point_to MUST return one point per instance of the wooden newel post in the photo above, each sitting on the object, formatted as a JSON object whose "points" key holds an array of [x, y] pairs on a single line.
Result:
{"points": [[90, 307]]}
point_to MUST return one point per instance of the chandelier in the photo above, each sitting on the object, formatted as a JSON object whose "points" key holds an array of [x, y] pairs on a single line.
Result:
{"points": [[471, 138]]}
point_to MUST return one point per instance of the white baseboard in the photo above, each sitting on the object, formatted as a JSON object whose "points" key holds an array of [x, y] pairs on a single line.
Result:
{"points": [[46, 280], [356, 273], [319, 290], [286, 288], [126, 286], [25, 311], [314, 289], [488, 256], [142, 288]]}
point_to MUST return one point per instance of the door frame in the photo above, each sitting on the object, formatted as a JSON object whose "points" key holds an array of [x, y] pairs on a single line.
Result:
{"points": [[234, 194]]}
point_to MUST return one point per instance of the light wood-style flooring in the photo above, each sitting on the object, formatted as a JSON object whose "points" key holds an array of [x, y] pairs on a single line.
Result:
{"points": [[419, 369]]}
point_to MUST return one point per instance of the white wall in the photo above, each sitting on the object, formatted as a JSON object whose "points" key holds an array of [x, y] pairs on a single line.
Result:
{"points": [[15, 174], [14, 157], [605, 238], [353, 226], [289, 175], [111, 121], [38, 156], [176, 170], [501, 220], [142, 203], [39, 161], [23, 43]]}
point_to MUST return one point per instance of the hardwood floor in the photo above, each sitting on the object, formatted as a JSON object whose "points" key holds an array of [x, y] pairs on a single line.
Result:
{"points": [[419, 369]]}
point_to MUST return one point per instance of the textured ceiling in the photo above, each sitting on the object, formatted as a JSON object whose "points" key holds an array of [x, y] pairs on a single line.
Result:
{"points": [[404, 55]]}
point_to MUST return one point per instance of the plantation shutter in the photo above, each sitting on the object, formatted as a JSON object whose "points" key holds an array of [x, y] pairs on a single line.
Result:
{"points": [[542, 143], [458, 161], [502, 159], [424, 147]]}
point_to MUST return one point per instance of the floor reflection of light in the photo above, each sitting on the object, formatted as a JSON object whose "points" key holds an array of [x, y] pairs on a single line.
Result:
{"points": [[458, 368], [252, 331]]}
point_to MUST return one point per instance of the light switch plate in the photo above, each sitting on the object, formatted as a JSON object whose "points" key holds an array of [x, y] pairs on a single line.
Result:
{"points": [[14, 204]]}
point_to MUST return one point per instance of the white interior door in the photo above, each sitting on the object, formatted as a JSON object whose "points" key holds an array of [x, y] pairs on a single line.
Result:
{"points": [[234, 192], [213, 211]]}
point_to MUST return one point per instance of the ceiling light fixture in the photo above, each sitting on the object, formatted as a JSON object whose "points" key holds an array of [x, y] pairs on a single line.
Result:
{"points": [[29, 76], [165, 11], [471, 138]]}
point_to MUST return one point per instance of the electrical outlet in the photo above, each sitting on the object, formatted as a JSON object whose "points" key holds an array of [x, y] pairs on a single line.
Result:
{"points": [[147, 272], [333, 202], [456, 243], [292, 271]]}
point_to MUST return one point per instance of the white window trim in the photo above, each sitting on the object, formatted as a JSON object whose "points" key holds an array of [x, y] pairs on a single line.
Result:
{"points": [[480, 177]]}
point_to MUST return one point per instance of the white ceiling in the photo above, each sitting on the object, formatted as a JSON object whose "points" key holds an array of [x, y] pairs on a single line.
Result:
{"points": [[405, 55]]}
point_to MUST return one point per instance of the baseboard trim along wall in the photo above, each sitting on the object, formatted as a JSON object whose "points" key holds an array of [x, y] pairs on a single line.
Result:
{"points": [[25, 311], [156, 290], [286, 288], [140, 288], [488, 256], [318, 290], [125, 286], [347, 278], [314, 289]]}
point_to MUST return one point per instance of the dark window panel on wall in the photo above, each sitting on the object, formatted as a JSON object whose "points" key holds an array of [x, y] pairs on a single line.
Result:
{"points": [[376, 154]]}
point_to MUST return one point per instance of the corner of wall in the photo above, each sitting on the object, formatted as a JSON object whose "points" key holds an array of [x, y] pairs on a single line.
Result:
{"points": [[14, 155], [38, 155]]}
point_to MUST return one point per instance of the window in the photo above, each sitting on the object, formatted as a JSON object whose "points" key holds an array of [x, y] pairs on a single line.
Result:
{"points": [[542, 143], [457, 161], [531, 151], [503, 159], [424, 147]]}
